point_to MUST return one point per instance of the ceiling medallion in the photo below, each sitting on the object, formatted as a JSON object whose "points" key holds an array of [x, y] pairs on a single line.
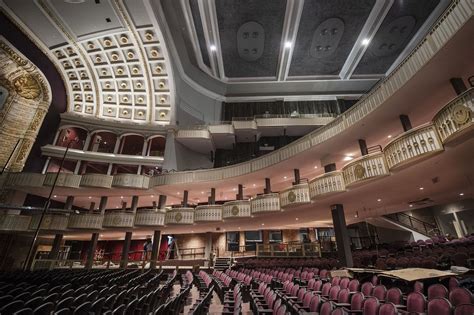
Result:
{"points": [[326, 38], [461, 114], [359, 171], [27, 87], [235, 210], [393, 36], [250, 41]]}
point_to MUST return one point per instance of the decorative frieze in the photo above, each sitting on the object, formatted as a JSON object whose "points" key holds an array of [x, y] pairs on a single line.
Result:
{"points": [[208, 213], [295, 195], [265, 203], [236, 209]]}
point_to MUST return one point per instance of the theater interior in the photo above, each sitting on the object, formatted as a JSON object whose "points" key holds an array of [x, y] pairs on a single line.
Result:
{"points": [[236, 157]]}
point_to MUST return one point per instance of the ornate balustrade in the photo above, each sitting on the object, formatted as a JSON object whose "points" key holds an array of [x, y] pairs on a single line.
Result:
{"points": [[118, 219], [208, 213], [193, 133], [25, 179], [413, 145], [180, 216], [131, 181], [329, 183], [51, 221], [365, 168], [295, 195], [244, 124], [88, 221], [69, 180], [265, 203], [97, 180], [222, 129], [456, 118], [150, 217], [14, 222], [236, 209]]}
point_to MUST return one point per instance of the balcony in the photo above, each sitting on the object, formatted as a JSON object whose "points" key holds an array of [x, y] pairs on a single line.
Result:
{"points": [[411, 146], [180, 216], [365, 168], [86, 221], [97, 180], [295, 195], [197, 139], [150, 217], [131, 181], [25, 179], [68, 180], [208, 213], [456, 118], [236, 209], [118, 219], [265, 203], [329, 183], [14, 222], [51, 221]]}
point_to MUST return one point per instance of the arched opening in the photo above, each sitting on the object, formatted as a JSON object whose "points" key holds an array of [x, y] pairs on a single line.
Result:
{"points": [[103, 141], [156, 146], [77, 136]]}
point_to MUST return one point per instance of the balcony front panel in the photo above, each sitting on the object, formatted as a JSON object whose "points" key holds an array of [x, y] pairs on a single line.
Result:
{"points": [[14, 222], [25, 180], [456, 118], [293, 121], [226, 129], [193, 134], [118, 219], [131, 181], [365, 168], [265, 203], [150, 217], [208, 213], [412, 146], [86, 221], [296, 195], [326, 184], [68, 180], [244, 125], [236, 209], [180, 216], [97, 180], [51, 221]]}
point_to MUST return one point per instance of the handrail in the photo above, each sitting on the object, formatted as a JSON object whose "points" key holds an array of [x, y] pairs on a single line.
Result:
{"points": [[414, 223]]}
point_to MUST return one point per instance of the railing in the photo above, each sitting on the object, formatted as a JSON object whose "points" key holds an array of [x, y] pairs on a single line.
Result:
{"points": [[118, 219], [192, 253], [92, 221], [296, 195], [236, 209], [180, 216], [416, 224], [244, 250], [131, 181], [265, 203], [208, 213], [25, 179], [289, 249], [150, 217], [366, 167], [69, 180], [14, 222], [329, 183], [97, 180], [456, 117], [51, 221]]}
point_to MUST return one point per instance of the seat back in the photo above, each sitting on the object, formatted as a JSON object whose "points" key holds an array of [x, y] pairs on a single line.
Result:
{"points": [[317, 285], [344, 283], [343, 296], [460, 296], [327, 308], [281, 310], [371, 306], [325, 289], [354, 285], [43, 309], [307, 298], [416, 302], [367, 288], [394, 295], [357, 301], [388, 309], [379, 292], [335, 280], [464, 309], [334, 292], [314, 304], [437, 291], [439, 306]]}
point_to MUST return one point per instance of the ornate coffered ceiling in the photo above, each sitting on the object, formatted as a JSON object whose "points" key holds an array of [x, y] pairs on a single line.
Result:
{"points": [[113, 60]]}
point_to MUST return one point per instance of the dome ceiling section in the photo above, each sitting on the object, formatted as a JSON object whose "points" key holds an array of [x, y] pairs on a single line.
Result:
{"points": [[403, 21], [113, 69]]}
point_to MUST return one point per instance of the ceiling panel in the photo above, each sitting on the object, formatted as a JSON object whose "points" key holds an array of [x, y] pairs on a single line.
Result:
{"points": [[138, 12], [327, 32], [100, 16], [199, 31], [400, 25], [255, 59]]}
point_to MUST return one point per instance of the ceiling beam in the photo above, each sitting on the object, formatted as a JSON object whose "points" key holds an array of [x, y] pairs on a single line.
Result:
{"points": [[375, 19], [288, 38]]}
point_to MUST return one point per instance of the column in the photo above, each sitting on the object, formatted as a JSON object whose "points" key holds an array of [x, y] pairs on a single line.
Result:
{"points": [[208, 248], [103, 204], [342, 235], [297, 176], [155, 248], [134, 204], [84, 148], [363, 147], [126, 249], [406, 123], [69, 202], [185, 199], [240, 194], [54, 253], [268, 186], [458, 85], [144, 151], [212, 198], [91, 251], [116, 149]]}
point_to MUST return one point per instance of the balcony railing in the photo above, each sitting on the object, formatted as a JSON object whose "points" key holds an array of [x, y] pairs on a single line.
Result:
{"points": [[150, 217], [208, 213], [413, 145], [68, 180], [365, 168], [236, 209], [265, 203], [14, 222], [97, 180], [413, 223], [180, 216], [131, 181], [118, 219], [289, 249], [296, 195], [87, 221], [325, 184], [51, 221]]}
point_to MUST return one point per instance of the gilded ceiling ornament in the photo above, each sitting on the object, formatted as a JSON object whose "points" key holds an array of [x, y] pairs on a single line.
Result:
{"points": [[25, 148], [461, 114], [359, 171], [27, 86], [235, 210], [178, 217], [291, 196], [36, 122]]}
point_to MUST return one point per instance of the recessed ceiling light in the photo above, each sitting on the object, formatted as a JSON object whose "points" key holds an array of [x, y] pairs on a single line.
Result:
{"points": [[389, 136], [254, 185], [234, 189], [296, 219], [379, 200], [192, 231], [213, 48], [411, 206], [152, 196], [288, 44], [365, 41], [461, 194], [421, 188], [116, 207], [178, 192], [284, 177], [239, 227], [121, 197], [54, 196], [90, 197], [348, 158], [316, 166], [263, 224], [202, 192]]}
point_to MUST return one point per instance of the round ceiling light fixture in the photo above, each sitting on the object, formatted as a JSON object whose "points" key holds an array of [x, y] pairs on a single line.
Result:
{"points": [[75, 1]]}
